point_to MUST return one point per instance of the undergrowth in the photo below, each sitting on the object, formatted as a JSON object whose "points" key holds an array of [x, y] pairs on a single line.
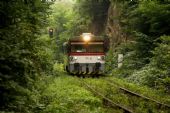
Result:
{"points": [[137, 104]]}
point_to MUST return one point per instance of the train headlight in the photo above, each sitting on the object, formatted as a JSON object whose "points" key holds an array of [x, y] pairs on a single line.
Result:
{"points": [[86, 36], [98, 58], [75, 58]]}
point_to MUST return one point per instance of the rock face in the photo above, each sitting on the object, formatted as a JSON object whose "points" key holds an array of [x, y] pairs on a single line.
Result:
{"points": [[113, 28], [106, 20]]}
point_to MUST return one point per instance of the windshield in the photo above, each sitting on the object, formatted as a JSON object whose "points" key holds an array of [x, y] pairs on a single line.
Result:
{"points": [[87, 48], [78, 48]]}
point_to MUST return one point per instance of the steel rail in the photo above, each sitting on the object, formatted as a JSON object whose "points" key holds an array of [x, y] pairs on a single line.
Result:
{"points": [[137, 94], [127, 110]]}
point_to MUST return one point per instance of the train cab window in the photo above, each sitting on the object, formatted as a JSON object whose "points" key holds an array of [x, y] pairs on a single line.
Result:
{"points": [[78, 48], [87, 48], [95, 48]]}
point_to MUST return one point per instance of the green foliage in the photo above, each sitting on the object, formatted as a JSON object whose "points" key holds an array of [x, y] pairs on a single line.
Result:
{"points": [[111, 62], [64, 95], [154, 18], [46, 53], [58, 68], [143, 48], [147, 21], [147, 60], [130, 62], [94, 13], [27, 55], [64, 22], [22, 59], [116, 95], [161, 57], [156, 74]]}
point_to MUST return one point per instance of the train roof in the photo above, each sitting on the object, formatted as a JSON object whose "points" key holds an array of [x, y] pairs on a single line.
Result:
{"points": [[80, 39]]}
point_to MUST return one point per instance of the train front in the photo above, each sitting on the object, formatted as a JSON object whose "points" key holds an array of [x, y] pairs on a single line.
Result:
{"points": [[86, 55]]}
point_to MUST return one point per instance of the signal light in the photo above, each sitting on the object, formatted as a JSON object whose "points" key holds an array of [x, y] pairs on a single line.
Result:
{"points": [[50, 32]]}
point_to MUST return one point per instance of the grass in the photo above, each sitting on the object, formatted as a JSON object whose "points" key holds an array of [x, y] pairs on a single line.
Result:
{"points": [[143, 90], [137, 104], [66, 94]]}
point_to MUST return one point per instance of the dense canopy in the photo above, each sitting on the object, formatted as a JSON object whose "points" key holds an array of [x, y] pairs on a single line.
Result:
{"points": [[32, 33]]}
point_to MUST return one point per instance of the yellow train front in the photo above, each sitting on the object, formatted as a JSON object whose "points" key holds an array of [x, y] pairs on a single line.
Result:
{"points": [[86, 54]]}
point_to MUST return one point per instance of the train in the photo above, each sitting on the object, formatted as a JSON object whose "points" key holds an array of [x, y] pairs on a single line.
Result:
{"points": [[86, 54]]}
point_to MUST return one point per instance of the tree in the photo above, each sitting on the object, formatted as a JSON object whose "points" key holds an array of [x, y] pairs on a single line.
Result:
{"points": [[96, 11], [19, 61]]}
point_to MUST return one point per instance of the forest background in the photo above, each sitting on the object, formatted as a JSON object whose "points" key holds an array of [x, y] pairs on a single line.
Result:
{"points": [[138, 29]]}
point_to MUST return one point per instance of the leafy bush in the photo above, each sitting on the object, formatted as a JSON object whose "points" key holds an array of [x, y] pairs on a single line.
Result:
{"points": [[22, 58], [58, 69], [130, 62], [111, 62], [46, 53], [157, 73], [148, 61]]}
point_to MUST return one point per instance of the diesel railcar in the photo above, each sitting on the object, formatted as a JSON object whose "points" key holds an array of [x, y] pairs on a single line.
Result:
{"points": [[86, 54]]}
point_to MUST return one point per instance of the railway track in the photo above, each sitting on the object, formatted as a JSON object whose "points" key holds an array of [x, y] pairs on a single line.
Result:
{"points": [[128, 108], [125, 90], [111, 102]]}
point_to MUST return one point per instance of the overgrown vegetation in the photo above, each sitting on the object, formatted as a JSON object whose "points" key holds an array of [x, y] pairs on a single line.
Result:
{"points": [[132, 102], [93, 15], [29, 57], [146, 58], [24, 56], [65, 95]]}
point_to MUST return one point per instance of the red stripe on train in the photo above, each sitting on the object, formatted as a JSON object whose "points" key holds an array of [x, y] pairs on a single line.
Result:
{"points": [[85, 54]]}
